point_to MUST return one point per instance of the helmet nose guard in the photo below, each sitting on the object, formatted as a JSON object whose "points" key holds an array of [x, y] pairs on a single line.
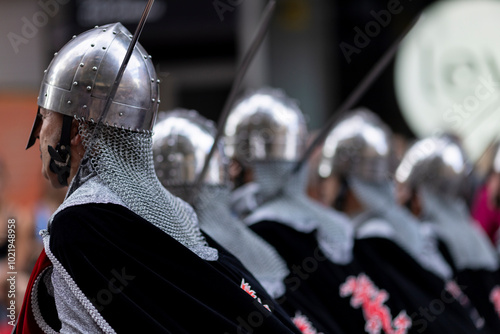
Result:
{"points": [[79, 78]]}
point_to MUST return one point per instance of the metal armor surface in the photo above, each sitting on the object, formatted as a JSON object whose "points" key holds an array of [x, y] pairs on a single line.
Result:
{"points": [[358, 145], [265, 125], [439, 163], [181, 141], [79, 78]]}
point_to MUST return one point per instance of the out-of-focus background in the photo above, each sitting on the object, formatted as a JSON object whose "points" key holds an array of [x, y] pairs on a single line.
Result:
{"points": [[316, 50], [313, 52]]}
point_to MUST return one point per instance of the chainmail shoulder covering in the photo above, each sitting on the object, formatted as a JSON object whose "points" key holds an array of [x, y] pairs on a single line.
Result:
{"points": [[92, 191], [468, 244], [407, 232], [294, 209], [259, 257], [123, 162]]}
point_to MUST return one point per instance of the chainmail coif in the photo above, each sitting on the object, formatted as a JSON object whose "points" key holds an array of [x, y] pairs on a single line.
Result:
{"points": [[378, 198], [123, 161], [469, 246], [292, 207], [260, 258]]}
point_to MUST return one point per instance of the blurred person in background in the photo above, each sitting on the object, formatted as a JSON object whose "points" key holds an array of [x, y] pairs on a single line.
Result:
{"points": [[356, 171], [486, 205], [430, 178]]}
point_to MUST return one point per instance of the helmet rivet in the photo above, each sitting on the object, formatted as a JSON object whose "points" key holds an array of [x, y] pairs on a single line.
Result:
{"points": [[158, 81], [75, 83], [152, 80], [45, 71], [89, 88], [46, 94], [114, 32], [158, 100], [153, 100], [69, 102], [149, 56], [92, 120], [121, 114], [85, 107], [55, 54], [92, 45], [130, 36], [145, 57], [104, 30], [96, 27], [82, 64], [94, 68], [104, 48], [74, 36]]}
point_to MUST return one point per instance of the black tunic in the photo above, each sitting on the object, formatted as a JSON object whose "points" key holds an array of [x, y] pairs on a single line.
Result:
{"points": [[324, 287], [379, 291], [142, 280], [481, 286], [427, 298]]}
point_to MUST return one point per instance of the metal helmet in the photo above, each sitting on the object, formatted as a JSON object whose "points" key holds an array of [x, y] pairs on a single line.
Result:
{"points": [[359, 145], [438, 163], [78, 80], [265, 125], [182, 140]]}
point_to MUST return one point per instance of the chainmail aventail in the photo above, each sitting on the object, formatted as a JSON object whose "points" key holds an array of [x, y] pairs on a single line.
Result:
{"points": [[123, 161], [468, 244], [292, 207], [260, 258], [380, 200]]}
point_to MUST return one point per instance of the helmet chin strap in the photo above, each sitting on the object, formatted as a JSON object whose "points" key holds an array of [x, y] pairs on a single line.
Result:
{"points": [[60, 156]]}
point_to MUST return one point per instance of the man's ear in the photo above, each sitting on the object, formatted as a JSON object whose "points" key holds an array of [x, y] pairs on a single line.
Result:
{"points": [[76, 138]]}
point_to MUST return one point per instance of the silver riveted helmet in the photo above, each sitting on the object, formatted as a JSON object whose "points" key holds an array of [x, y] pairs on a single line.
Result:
{"points": [[265, 125], [181, 142], [78, 80], [359, 145], [439, 163]]}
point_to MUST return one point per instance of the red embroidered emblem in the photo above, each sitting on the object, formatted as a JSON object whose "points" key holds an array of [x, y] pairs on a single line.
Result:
{"points": [[303, 324], [248, 289], [495, 298], [456, 292], [371, 299]]}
